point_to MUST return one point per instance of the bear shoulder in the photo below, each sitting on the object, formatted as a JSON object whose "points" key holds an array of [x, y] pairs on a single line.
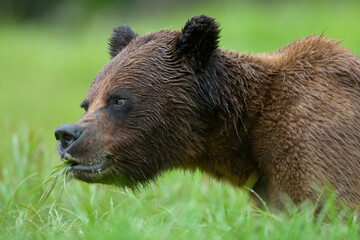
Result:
{"points": [[312, 50]]}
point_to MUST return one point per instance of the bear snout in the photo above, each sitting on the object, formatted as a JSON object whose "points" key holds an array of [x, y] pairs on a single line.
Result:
{"points": [[67, 135]]}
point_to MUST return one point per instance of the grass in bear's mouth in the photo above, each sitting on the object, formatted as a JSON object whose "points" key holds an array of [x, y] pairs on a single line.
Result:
{"points": [[60, 171], [93, 167]]}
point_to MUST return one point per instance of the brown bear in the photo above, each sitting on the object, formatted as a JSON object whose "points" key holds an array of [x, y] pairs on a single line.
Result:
{"points": [[174, 99]]}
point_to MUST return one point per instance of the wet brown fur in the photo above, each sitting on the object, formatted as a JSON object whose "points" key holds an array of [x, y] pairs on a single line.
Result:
{"points": [[291, 118]]}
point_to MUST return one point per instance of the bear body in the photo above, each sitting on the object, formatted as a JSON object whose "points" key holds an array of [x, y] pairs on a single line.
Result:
{"points": [[290, 120]]}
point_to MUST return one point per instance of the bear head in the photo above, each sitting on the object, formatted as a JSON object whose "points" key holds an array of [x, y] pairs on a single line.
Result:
{"points": [[149, 109]]}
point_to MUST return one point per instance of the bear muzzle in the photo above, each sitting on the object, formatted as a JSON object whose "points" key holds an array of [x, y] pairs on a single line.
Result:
{"points": [[69, 137]]}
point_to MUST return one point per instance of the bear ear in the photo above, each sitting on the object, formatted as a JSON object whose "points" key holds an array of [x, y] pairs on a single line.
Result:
{"points": [[198, 40], [121, 37]]}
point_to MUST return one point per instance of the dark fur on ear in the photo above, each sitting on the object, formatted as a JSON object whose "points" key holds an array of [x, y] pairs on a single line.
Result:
{"points": [[121, 37], [198, 40]]}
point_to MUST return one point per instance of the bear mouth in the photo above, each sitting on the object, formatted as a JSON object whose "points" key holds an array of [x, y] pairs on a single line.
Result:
{"points": [[94, 166]]}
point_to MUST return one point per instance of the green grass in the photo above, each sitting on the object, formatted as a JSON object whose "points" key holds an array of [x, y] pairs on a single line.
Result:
{"points": [[180, 206], [45, 71]]}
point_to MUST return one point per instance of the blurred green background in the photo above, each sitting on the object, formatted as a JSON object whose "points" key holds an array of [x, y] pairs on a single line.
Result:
{"points": [[50, 51]]}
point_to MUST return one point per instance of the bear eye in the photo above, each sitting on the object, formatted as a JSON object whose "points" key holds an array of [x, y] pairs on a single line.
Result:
{"points": [[120, 102]]}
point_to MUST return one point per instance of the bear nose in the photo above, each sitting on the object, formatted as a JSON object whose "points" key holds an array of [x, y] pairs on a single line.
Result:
{"points": [[67, 134]]}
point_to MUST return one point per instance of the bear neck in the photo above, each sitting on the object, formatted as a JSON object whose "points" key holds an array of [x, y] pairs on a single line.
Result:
{"points": [[242, 86]]}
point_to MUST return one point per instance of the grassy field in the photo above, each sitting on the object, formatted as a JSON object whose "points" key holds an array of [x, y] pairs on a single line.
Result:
{"points": [[45, 72]]}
